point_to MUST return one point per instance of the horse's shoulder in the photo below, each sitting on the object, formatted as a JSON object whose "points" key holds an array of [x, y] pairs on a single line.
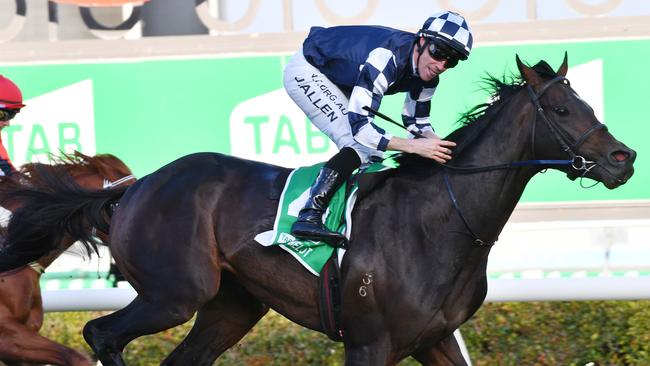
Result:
{"points": [[369, 182]]}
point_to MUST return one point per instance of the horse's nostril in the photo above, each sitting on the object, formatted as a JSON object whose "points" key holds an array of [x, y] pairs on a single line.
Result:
{"points": [[620, 155]]}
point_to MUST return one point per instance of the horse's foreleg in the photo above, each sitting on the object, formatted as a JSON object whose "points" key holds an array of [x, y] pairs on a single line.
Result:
{"points": [[445, 353], [20, 344], [219, 324], [108, 335], [376, 353]]}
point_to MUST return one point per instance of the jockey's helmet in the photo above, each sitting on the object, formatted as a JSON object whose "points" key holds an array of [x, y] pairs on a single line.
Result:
{"points": [[451, 29], [10, 95]]}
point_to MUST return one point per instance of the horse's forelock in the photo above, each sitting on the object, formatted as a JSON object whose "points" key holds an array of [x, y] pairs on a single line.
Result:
{"points": [[543, 69]]}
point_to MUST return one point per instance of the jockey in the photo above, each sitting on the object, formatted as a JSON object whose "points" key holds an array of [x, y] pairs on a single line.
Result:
{"points": [[339, 70], [11, 101]]}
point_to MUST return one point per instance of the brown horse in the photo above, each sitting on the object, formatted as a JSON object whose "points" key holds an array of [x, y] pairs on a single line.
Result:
{"points": [[21, 307], [183, 236]]}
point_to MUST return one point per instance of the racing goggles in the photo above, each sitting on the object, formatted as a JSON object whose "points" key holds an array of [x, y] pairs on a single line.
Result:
{"points": [[440, 51], [7, 114]]}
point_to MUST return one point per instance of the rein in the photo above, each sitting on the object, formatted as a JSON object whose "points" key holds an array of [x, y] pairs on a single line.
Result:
{"points": [[578, 162]]}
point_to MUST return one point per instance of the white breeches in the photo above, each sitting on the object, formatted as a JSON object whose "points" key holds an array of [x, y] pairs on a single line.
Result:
{"points": [[324, 103]]}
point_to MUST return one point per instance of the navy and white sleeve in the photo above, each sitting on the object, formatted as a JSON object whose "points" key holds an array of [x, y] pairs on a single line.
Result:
{"points": [[417, 106], [375, 76]]}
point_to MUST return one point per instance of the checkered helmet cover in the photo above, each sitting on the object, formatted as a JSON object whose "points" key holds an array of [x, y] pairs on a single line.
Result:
{"points": [[450, 27]]}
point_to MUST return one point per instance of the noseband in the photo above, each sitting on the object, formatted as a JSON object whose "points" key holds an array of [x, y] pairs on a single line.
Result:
{"points": [[578, 162]]}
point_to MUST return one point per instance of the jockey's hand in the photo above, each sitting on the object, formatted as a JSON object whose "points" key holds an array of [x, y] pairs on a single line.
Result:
{"points": [[431, 148]]}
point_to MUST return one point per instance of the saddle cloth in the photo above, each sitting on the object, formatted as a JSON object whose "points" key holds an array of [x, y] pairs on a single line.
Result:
{"points": [[338, 217]]}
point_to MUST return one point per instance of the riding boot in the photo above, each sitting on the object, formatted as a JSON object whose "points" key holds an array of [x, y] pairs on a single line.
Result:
{"points": [[309, 225]]}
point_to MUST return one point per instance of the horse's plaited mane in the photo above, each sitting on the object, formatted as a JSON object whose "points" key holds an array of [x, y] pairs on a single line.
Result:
{"points": [[501, 90]]}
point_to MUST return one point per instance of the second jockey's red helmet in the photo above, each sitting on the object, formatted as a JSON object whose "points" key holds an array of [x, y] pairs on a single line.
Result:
{"points": [[10, 95]]}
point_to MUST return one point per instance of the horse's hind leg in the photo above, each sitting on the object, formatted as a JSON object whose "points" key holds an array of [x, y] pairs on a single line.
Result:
{"points": [[20, 344], [219, 324], [108, 335]]}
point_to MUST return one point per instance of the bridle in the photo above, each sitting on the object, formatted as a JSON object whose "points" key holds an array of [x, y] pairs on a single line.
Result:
{"points": [[577, 162], [108, 184]]}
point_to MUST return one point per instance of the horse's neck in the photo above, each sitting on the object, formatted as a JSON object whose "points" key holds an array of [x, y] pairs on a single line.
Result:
{"points": [[487, 199], [438, 247]]}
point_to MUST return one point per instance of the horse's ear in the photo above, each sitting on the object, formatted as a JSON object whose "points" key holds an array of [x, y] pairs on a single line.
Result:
{"points": [[565, 66], [529, 75]]}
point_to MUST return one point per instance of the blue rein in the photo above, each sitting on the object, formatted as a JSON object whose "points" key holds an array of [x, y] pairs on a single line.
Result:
{"points": [[541, 162]]}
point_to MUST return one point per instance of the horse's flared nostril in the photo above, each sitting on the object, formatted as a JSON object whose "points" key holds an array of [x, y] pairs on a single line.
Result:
{"points": [[621, 156]]}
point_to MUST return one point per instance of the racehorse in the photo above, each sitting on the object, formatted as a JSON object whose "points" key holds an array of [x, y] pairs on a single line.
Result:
{"points": [[21, 307], [415, 269]]}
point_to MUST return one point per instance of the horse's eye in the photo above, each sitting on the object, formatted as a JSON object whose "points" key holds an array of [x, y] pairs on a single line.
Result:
{"points": [[561, 110]]}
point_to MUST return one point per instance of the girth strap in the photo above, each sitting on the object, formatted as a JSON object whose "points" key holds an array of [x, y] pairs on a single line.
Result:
{"points": [[329, 286]]}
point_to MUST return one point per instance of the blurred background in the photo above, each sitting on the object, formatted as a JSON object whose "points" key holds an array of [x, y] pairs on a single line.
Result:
{"points": [[151, 81]]}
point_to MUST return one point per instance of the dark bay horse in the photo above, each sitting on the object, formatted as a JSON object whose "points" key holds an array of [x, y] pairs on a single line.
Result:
{"points": [[21, 306], [416, 266]]}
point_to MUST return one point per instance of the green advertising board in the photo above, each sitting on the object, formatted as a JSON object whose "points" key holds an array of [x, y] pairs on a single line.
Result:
{"points": [[150, 112]]}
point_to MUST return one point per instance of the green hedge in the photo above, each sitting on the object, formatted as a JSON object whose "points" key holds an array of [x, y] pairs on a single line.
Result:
{"points": [[549, 333], [560, 333]]}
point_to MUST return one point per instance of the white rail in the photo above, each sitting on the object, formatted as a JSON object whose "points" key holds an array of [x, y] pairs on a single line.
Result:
{"points": [[87, 299], [569, 289], [499, 290]]}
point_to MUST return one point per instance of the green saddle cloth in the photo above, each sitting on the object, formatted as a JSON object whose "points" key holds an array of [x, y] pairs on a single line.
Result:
{"points": [[311, 254]]}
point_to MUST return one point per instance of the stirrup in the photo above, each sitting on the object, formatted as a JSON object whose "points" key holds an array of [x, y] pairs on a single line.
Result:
{"points": [[312, 231]]}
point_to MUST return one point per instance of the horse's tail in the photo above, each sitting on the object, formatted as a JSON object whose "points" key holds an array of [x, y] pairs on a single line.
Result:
{"points": [[55, 208]]}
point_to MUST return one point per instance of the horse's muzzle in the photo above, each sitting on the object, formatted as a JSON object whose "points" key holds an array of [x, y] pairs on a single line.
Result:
{"points": [[613, 170], [619, 167]]}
